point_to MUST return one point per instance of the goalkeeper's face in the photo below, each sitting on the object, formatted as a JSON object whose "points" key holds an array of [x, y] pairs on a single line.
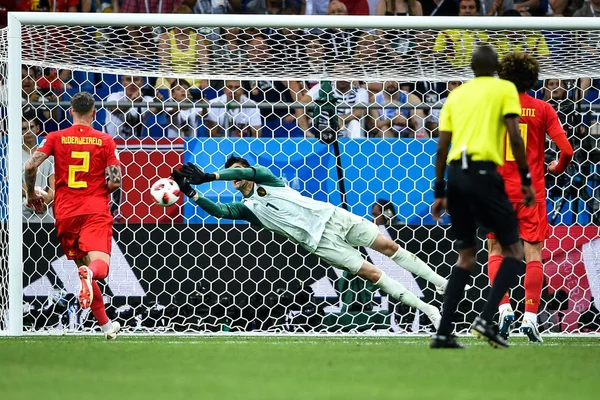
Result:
{"points": [[241, 185]]}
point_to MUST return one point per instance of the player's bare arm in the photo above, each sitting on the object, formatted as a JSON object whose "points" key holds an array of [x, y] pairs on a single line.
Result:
{"points": [[113, 177], [439, 203], [518, 147], [31, 167]]}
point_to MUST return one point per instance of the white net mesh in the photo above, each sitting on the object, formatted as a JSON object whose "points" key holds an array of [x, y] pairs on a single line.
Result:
{"points": [[174, 96]]}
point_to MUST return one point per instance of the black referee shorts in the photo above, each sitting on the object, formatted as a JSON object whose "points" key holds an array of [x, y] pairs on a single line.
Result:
{"points": [[476, 198]]}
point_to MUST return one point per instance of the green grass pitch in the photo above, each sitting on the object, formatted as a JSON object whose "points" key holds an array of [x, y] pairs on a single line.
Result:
{"points": [[282, 368]]}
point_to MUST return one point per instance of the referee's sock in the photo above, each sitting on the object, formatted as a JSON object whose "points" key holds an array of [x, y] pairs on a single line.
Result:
{"points": [[455, 291], [505, 279], [414, 264]]}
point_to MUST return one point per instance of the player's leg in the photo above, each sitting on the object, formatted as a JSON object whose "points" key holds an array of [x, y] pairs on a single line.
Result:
{"points": [[464, 228], [507, 315], [334, 248], [534, 282], [96, 239], [397, 291], [407, 260], [496, 214]]}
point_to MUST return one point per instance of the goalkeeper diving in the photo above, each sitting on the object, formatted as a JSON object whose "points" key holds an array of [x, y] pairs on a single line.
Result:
{"points": [[329, 232]]}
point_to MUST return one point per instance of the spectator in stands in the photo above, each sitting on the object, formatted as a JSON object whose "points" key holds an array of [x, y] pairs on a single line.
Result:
{"points": [[183, 51], [590, 9], [455, 45], [349, 119], [384, 213], [312, 58], [495, 7], [532, 42], [565, 8], [273, 7], [208, 6], [529, 7], [439, 8], [36, 102], [45, 177], [356, 7], [429, 65], [399, 7], [393, 122], [260, 61], [232, 120], [126, 119], [316, 7], [182, 122], [339, 43], [373, 54], [110, 6], [433, 119], [395, 39], [143, 39]]}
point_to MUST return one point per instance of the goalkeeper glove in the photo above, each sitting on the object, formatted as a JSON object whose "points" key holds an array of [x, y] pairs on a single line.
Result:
{"points": [[184, 184], [195, 175]]}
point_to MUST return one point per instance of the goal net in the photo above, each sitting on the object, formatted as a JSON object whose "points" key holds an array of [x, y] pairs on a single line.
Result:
{"points": [[180, 89]]}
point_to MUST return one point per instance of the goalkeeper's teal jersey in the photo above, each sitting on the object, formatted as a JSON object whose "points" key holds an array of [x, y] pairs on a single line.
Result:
{"points": [[275, 206]]}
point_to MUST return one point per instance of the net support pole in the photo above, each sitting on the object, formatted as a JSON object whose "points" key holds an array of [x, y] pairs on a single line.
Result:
{"points": [[14, 166]]}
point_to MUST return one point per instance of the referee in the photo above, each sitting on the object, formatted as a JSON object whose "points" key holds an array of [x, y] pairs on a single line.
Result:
{"points": [[474, 120]]}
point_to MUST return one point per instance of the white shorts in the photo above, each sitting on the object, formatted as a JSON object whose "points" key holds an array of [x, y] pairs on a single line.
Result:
{"points": [[343, 233]]}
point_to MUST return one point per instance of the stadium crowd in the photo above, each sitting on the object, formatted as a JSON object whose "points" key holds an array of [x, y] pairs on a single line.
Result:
{"points": [[266, 108]]}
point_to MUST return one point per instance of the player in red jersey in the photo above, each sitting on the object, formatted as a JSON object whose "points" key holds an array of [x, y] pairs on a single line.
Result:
{"points": [[537, 119], [87, 171]]}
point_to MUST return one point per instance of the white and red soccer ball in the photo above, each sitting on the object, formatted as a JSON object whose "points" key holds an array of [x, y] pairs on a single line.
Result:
{"points": [[165, 192]]}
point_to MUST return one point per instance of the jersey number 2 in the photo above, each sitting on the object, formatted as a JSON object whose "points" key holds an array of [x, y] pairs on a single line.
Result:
{"points": [[509, 154], [73, 169]]}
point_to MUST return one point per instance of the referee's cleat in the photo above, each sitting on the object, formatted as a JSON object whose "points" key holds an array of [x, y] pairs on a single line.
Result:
{"points": [[488, 332], [507, 317], [530, 329], [445, 342]]}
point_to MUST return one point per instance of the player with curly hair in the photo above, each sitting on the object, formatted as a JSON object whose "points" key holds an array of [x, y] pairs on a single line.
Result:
{"points": [[537, 119]]}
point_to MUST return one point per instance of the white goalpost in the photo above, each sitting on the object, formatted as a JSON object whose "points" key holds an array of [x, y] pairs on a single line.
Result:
{"points": [[248, 84]]}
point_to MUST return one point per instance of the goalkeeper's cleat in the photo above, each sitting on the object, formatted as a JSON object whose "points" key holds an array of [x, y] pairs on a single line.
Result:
{"points": [[112, 334], [507, 317], [86, 293], [488, 332], [530, 329], [445, 342]]}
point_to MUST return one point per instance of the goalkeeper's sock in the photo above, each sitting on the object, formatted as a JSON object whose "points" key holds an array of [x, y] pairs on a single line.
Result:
{"points": [[414, 264], [505, 279], [493, 267], [98, 305], [455, 291], [99, 269], [534, 281], [398, 292]]}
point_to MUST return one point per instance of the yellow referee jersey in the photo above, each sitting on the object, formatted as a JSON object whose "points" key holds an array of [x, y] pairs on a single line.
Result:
{"points": [[474, 112]]}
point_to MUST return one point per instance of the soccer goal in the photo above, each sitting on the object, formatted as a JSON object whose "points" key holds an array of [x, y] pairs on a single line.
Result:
{"points": [[174, 89]]}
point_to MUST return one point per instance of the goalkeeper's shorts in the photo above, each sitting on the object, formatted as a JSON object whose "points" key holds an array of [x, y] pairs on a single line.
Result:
{"points": [[343, 233], [81, 234]]}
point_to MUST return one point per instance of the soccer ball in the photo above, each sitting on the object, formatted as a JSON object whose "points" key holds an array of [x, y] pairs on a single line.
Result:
{"points": [[165, 192], [40, 192]]}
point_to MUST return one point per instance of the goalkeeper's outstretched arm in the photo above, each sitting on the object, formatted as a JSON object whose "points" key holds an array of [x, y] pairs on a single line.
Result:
{"points": [[226, 210]]}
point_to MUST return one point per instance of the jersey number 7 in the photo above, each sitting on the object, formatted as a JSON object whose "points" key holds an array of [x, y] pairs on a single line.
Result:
{"points": [[73, 169], [509, 154]]}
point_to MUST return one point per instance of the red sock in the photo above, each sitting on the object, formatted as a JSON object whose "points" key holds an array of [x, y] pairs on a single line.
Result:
{"points": [[534, 280], [99, 269], [98, 305], [493, 267]]}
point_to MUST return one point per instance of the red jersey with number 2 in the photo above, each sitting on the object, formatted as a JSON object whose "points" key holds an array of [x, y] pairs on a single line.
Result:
{"points": [[537, 119], [81, 155]]}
